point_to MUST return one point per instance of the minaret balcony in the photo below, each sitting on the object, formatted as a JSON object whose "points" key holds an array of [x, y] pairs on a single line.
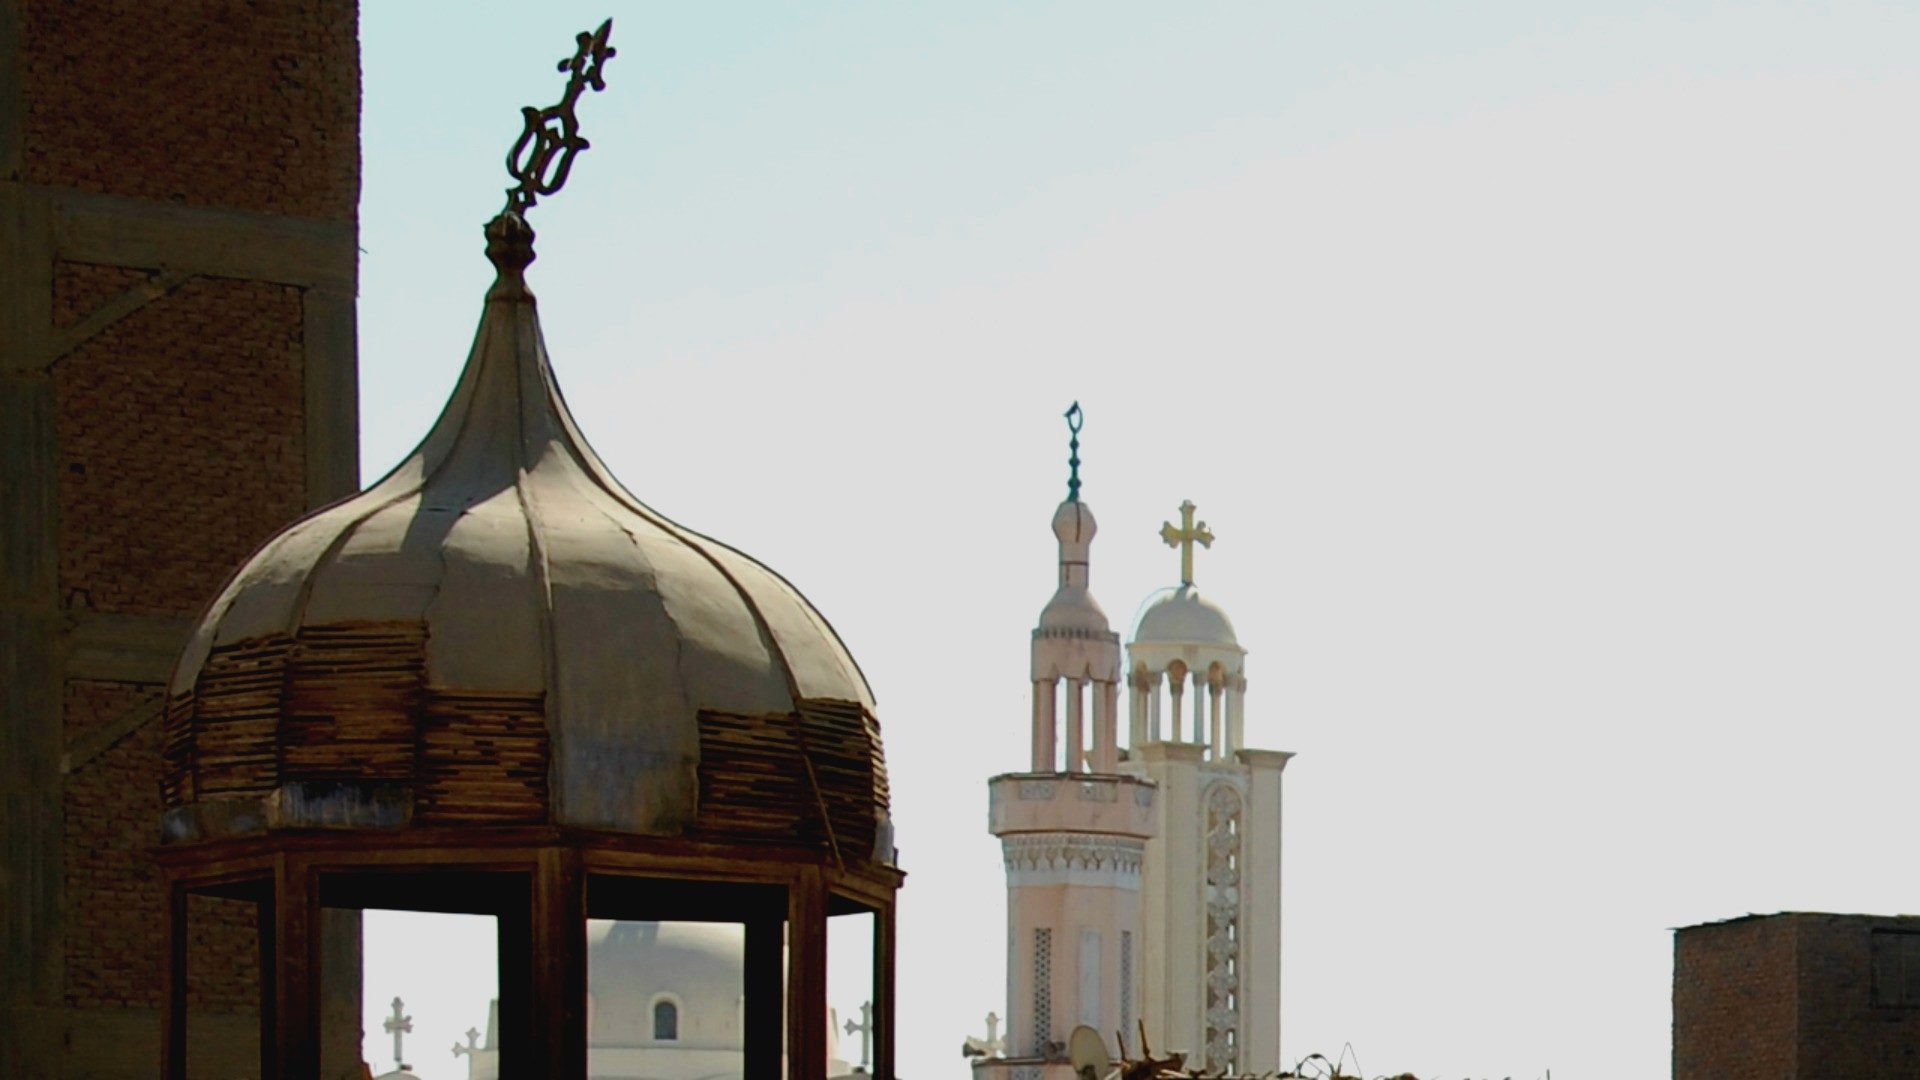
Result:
{"points": [[1070, 802]]}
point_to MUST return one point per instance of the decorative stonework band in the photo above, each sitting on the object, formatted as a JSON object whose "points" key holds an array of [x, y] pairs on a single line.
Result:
{"points": [[1073, 859]]}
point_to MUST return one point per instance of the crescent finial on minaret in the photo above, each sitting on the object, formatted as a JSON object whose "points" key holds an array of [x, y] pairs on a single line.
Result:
{"points": [[1075, 420]]}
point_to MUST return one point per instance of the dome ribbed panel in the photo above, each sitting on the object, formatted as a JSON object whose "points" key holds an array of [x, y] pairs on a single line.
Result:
{"points": [[484, 619]]}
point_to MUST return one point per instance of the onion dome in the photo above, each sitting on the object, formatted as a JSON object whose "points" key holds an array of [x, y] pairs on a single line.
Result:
{"points": [[1183, 617], [499, 633]]}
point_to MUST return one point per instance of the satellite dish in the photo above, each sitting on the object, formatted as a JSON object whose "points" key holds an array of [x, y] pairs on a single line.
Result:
{"points": [[1088, 1052]]}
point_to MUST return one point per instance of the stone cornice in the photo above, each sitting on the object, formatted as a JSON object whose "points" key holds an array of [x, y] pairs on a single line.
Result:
{"points": [[1265, 759]]}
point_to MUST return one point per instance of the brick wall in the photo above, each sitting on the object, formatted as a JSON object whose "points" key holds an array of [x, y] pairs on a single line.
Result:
{"points": [[180, 444], [113, 904], [80, 288], [239, 104], [1844, 1032], [1735, 1003]]}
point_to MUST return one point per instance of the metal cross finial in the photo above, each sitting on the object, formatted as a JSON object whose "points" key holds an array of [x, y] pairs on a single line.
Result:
{"points": [[1075, 420], [1185, 537], [865, 1028], [398, 1025], [544, 153], [473, 1044]]}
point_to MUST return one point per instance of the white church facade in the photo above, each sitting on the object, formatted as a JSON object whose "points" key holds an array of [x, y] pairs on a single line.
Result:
{"points": [[667, 1001], [1143, 881]]}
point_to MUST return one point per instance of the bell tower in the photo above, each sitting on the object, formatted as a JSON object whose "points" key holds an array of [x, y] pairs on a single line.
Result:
{"points": [[1210, 893], [1073, 829]]}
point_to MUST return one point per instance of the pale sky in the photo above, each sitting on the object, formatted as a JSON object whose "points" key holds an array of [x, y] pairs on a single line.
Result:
{"points": [[1547, 372]]}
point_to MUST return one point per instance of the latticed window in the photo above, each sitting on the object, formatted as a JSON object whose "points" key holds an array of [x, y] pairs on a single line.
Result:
{"points": [[1042, 988], [1088, 992], [1126, 983], [1222, 927]]}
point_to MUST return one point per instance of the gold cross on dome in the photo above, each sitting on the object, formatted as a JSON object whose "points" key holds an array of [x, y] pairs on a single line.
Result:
{"points": [[1185, 537]]}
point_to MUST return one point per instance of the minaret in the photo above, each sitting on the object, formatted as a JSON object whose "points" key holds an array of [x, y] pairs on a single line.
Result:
{"points": [[1210, 908], [1072, 828], [1076, 657]]}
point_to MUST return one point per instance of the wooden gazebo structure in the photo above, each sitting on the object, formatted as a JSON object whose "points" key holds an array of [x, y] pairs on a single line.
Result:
{"points": [[496, 682]]}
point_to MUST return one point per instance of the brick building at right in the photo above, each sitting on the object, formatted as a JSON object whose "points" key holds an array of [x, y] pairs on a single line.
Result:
{"points": [[1797, 996]]}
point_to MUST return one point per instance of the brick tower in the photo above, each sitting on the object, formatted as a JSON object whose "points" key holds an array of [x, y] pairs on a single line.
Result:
{"points": [[179, 187], [1210, 885]]}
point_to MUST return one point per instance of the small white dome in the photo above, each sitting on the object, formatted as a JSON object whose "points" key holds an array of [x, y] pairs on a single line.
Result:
{"points": [[697, 967], [1183, 617]]}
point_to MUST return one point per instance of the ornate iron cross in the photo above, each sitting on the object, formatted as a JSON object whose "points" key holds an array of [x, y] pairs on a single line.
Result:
{"points": [[544, 153], [1185, 537], [473, 1044], [398, 1025]]}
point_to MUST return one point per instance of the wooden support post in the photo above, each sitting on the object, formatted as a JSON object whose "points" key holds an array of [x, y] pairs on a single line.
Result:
{"points": [[266, 915], [764, 984], [341, 962], [883, 985], [807, 976], [516, 1034], [560, 965], [173, 1002], [290, 955]]}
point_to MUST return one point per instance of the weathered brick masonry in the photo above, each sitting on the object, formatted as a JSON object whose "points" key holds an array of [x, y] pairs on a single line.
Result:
{"points": [[199, 392], [214, 103], [179, 185], [1734, 1001], [1797, 996]]}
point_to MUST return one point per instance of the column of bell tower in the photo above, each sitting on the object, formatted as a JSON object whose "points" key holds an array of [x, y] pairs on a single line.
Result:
{"points": [[1073, 829]]}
